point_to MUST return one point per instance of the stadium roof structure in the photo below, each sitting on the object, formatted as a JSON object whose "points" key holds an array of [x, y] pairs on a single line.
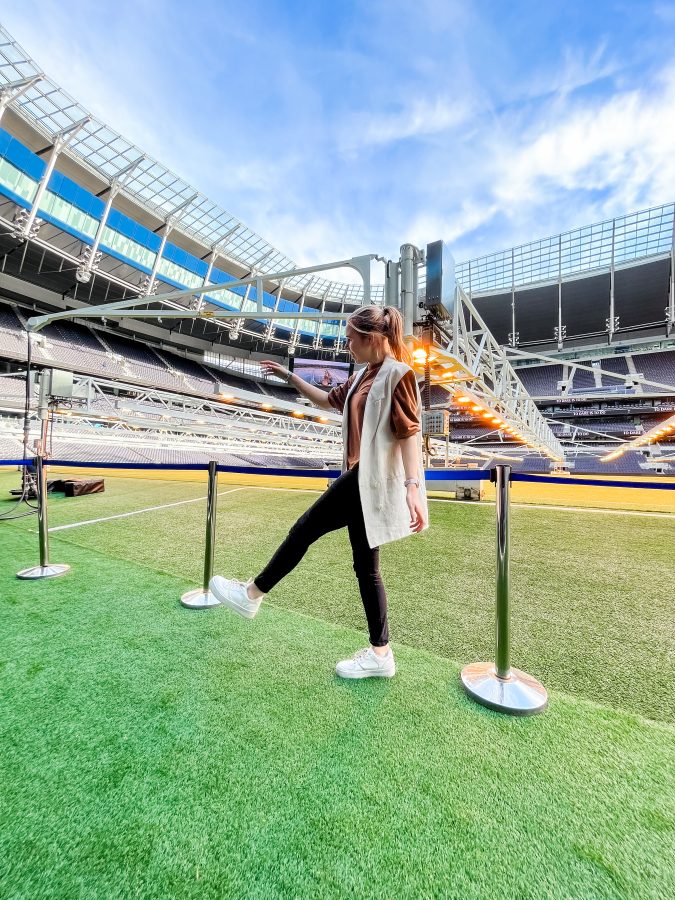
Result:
{"points": [[614, 243], [51, 110]]}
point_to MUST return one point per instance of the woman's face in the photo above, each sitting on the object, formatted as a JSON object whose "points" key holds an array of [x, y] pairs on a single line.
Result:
{"points": [[359, 345]]}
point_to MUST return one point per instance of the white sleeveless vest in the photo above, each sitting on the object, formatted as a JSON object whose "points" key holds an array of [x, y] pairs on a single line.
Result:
{"points": [[381, 473]]}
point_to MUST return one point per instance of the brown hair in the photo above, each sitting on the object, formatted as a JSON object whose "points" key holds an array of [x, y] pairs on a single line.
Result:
{"points": [[386, 321]]}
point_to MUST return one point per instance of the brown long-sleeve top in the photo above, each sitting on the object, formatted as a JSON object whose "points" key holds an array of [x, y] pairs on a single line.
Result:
{"points": [[403, 420]]}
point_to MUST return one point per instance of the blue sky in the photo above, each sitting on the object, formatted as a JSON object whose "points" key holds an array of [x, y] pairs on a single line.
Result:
{"points": [[335, 129]]}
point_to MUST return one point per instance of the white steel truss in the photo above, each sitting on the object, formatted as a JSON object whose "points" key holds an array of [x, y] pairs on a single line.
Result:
{"points": [[489, 378], [165, 420]]}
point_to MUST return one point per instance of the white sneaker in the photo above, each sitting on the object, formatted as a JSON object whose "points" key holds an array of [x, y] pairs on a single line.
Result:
{"points": [[234, 594], [367, 664]]}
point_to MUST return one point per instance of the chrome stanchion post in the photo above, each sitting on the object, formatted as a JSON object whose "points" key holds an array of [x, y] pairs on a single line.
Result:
{"points": [[498, 686], [203, 598], [45, 569], [503, 654]]}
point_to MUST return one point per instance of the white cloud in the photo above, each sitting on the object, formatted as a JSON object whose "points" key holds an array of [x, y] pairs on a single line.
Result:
{"points": [[575, 161], [624, 145], [421, 116]]}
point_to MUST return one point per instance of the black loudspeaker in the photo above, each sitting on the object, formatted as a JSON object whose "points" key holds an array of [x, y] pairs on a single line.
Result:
{"points": [[440, 285], [434, 287]]}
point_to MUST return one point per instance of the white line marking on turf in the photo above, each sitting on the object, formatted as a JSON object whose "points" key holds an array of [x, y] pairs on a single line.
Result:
{"points": [[264, 487], [137, 512], [594, 509], [551, 506]]}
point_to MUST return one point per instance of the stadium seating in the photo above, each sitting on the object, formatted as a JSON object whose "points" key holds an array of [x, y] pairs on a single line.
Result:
{"points": [[10, 448], [274, 390], [618, 364], [12, 387], [583, 381], [541, 381], [71, 346], [12, 334], [656, 367]]}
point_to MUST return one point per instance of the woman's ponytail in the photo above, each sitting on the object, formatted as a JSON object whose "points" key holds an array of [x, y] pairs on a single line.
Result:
{"points": [[393, 329]]}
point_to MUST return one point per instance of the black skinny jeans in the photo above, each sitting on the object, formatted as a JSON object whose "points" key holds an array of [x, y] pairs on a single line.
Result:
{"points": [[337, 507]]}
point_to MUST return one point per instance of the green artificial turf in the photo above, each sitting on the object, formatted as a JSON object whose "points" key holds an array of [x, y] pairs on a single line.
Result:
{"points": [[152, 751], [591, 593]]}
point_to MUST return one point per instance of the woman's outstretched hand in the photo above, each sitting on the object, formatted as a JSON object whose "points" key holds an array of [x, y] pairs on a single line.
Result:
{"points": [[417, 520], [269, 367]]}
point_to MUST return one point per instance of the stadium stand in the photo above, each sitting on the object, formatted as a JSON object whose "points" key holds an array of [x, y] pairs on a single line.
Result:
{"points": [[93, 352], [540, 381], [141, 363], [630, 463], [438, 396], [12, 387], [618, 364], [193, 370], [584, 294], [583, 380], [273, 390], [12, 335], [285, 462], [656, 366], [10, 448]]}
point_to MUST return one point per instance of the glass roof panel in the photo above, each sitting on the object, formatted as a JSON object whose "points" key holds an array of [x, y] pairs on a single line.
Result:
{"points": [[635, 236], [51, 110]]}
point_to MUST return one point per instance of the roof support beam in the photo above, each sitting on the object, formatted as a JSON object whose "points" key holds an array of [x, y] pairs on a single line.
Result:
{"points": [[83, 273], [10, 92], [61, 140], [126, 308]]}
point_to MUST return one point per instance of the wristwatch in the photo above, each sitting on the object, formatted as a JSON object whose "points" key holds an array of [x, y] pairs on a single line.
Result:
{"points": [[414, 481]]}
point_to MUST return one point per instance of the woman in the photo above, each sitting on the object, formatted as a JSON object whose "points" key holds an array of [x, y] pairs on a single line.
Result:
{"points": [[380, 495]]}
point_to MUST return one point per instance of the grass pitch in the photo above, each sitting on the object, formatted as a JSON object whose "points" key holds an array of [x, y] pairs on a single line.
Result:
{"points": [[151, 751]]}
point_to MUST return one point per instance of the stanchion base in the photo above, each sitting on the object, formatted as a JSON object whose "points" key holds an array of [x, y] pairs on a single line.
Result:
{"points": [[520, 694], [49, 571], [199, 599]]}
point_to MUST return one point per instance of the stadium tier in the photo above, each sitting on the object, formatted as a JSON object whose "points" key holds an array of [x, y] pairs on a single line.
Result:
{"points": [[89, 351], [97, 351]]}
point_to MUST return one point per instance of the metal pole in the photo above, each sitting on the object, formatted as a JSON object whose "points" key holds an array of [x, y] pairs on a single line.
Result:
{"points": [[43, 525], [503, 475], [61, 141], [560, 322], [202, 598], [45, 569], [211, 505], [670, 311], [392, 284], [611, 320], [513, 341], [498, 686], [407, 288]]}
